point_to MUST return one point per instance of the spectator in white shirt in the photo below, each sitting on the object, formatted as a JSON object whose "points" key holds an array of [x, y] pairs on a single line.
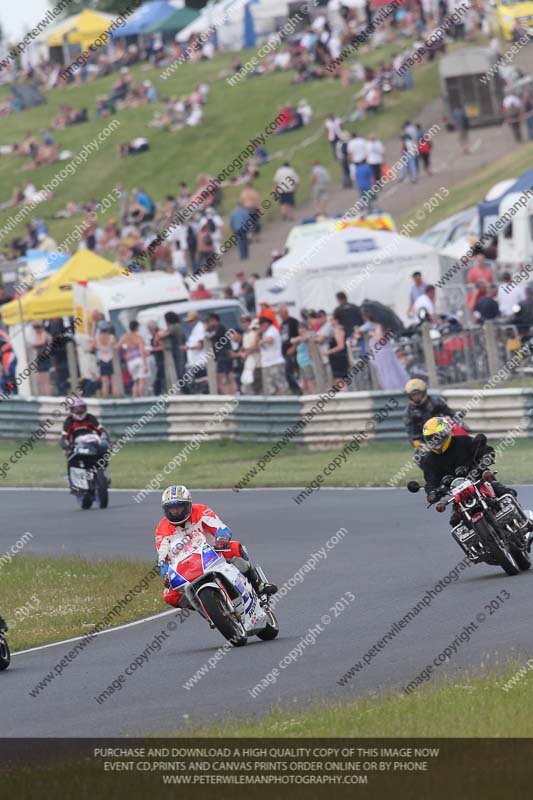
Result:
{"points": [[272, 361], [236, 286], [375, 156], [196, 355], [426, 301], [333, 131], [512, 107], [320, 183], [285, 183], [305, 111], [215, 224], [509, 294], [179, 260], [357, 149]]}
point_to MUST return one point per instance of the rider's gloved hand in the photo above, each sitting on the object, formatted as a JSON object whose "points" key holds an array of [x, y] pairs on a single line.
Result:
{"points": [[417, 444], [163, 568], [433, 497]]}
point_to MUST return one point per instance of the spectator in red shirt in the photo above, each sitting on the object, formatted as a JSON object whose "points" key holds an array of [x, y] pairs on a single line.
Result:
{"points": [[481, 290], [480, 271], [201, 293]]}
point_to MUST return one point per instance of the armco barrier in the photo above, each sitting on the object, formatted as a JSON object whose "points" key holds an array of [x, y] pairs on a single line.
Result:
{"points": [[267, 418], [212, 417], [18, 418], [120, 417]]}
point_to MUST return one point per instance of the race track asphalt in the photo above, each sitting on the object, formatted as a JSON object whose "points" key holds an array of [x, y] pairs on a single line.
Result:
{"points": [[394, 551]]}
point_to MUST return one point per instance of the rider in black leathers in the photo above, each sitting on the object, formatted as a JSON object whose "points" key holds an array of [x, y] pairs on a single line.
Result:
{"points": [[448, 452], [420, 408]]}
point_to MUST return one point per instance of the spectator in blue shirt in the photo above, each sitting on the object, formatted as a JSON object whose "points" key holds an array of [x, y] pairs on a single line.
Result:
{"points": [[143, 206], [364, 178], [239, 224]]}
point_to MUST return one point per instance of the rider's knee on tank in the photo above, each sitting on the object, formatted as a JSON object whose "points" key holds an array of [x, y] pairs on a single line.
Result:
{"points": [[240, 563]]}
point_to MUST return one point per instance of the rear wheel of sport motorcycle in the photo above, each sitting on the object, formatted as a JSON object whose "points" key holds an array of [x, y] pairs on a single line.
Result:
{"points": [[87, 501], [5, 655], [502, 555], [272, 628], [522, 558], [102, 489], [219, 615]]}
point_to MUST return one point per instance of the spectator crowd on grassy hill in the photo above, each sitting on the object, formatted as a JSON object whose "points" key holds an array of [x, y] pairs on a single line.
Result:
{"points": [[360, 163], [131, 238]]}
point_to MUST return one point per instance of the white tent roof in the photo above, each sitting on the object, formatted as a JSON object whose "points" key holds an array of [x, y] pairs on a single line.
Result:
{"points": [[349, 248], [365, 264], [228, 16]]}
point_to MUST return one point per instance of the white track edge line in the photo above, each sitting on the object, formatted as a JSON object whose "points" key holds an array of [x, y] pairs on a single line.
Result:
{"points": [[98, 633]]}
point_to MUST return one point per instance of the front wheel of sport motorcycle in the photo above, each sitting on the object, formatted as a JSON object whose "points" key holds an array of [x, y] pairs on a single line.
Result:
{"points": [[272, 628], [5, 654], [217, 611]]}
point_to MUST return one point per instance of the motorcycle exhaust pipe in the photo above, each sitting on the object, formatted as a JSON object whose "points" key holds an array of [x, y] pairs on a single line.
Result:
{"points": [[260, 571]]}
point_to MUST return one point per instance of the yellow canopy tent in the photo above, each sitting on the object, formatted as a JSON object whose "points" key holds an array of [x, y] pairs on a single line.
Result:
{"points": [[53, 297], [81, 29]]}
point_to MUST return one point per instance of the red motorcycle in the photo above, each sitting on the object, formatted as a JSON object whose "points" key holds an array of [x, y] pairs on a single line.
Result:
{"points": [[491, 530]]}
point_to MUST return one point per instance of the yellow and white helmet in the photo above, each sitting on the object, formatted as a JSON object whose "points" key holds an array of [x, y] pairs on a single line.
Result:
{"points": [[416, 390], [177, 504], [438, 434]]}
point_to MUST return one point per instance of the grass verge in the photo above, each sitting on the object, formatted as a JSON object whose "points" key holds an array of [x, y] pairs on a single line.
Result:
{"points": [[45, 600], [223, 464], [470, 706]]}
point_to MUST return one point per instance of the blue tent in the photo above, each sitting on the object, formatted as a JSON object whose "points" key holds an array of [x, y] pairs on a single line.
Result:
{"points": [[490, 208], [144, 17]]}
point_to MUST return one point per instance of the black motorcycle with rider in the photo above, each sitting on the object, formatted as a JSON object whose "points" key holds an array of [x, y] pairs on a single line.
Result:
{"points": [[86, 444], [487, 521]]}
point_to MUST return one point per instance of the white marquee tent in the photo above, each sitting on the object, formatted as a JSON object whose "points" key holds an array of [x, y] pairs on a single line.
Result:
{"points": [[229, 18], [366, 264]]}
